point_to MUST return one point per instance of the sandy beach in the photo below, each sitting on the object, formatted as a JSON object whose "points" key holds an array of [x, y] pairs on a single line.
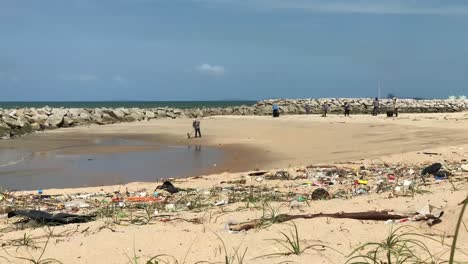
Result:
{"points": [[260, 143]]}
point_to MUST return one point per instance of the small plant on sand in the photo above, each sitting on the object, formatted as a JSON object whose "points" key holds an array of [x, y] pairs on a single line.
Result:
{"points": [[403, 245], [26, 241], [415, 189], [236, 256], [458, 186], [270, 215], [457, 231], [292, 243], [33, 260], [158, 259]]}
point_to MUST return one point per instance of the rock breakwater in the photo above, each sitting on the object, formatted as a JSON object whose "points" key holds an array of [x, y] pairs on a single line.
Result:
{"points": [[14, 122]]}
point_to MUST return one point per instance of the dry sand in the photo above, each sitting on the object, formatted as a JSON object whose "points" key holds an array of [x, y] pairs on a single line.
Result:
{"points": [[266, 143]]}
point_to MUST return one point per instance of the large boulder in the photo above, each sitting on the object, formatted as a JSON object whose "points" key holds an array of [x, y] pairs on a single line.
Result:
{"points": [[137, 114], [108, 119], [40, 119], [36, 126], [55, 120], [98, 112], [43, 111], [170, 115], [85, 116], [125, 110], [59, 112], [75, 112], [57, 116], [117, 113], [150, 114], [14, 122], [68, 121], [160, 113], [4, 130], [131, 118]]}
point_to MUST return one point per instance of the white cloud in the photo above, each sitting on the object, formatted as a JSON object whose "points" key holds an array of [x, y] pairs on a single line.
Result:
{"points": [[118, 78], [78, 77], [213, 70], [416, 7]]}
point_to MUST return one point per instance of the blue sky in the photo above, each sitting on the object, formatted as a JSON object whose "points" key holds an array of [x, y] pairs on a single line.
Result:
{"points": [[242, 49]]}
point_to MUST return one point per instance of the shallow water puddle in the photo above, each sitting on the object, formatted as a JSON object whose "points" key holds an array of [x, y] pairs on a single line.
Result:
{"points": [[107, 162]]}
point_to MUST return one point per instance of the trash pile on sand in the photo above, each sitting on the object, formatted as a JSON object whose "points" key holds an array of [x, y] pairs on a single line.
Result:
{"points": [[296, 186]]}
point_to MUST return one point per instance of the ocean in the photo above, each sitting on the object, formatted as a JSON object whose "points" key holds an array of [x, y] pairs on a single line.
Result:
{"points": [[125, 104]]}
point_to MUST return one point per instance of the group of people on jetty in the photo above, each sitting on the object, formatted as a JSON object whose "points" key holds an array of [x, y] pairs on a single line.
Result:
{"points": [[347, 108], [325, 108]]}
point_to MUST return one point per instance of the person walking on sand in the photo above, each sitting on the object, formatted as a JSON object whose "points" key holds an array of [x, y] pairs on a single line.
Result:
{"points": [[376, 104], [395, 106], [347, 109], [326, 108], [196, 127]]}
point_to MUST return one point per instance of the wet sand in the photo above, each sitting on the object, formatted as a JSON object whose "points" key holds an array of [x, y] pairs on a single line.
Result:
{"points": [[263, 142]]}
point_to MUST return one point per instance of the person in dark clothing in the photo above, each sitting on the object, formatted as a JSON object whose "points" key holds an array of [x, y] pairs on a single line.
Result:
{"points": [[275, 110], [326, 108], [307, 109], [347, 109], [196, 127], [376, 105]]}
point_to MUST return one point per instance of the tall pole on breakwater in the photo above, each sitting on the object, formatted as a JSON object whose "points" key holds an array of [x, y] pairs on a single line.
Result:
{"points": [[378, 87]]}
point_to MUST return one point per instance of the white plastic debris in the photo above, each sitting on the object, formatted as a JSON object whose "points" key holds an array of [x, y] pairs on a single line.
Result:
{"points": [[76, 204], [222, 202], [170, 207]]}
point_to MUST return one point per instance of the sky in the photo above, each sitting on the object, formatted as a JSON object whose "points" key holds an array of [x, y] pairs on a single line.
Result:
{"points": [[75, 50]]}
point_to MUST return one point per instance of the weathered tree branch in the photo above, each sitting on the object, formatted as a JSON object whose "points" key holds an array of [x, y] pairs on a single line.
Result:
{"points": [[372, 215]]}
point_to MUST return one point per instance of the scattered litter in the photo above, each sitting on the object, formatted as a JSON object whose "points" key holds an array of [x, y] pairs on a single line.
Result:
{"points": [[168, 186], [302, 185], [170, 207], [464, 167], [51, 219], [76, 204], [320, 194], [257, 173], [430, 214], [431, 153], [433, 169], [222, 202]]}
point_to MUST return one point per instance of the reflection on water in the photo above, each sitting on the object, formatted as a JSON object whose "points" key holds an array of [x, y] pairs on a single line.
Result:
{"points": [[59, 168]]}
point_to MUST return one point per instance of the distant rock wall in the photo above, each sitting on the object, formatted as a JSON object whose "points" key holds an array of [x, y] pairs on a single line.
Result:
{"points": [[14, 122], [361, 105]]}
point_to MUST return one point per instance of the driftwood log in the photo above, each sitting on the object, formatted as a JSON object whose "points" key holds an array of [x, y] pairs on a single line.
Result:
{"points": [[372, 215]]}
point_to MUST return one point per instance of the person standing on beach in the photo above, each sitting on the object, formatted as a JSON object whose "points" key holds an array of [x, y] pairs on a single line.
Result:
{"points": [[196, 127], [275, 110], [326, 108], [376, 104], [307, 109], [395, 106], [347, 109]]}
